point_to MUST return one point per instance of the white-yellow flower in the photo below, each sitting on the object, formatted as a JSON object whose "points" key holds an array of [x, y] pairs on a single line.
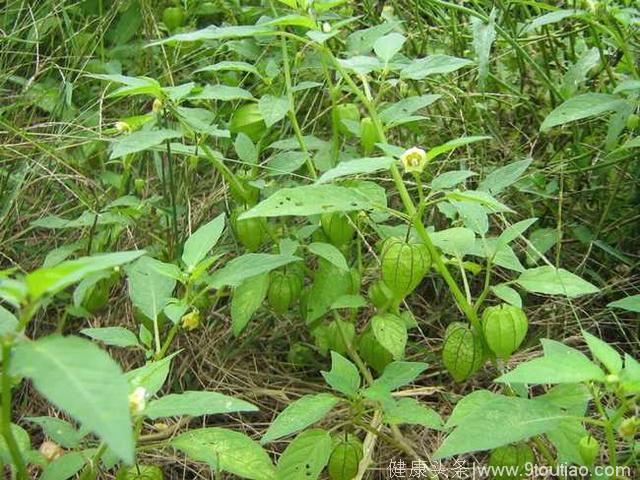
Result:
{"points": [[122, 127], [414, 160], [138, 400]]}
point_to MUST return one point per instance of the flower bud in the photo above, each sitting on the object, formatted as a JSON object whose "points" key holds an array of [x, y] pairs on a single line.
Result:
{"points": [[157, 105], [122, 127], [326, 27], [628, 427], [589, 449]]}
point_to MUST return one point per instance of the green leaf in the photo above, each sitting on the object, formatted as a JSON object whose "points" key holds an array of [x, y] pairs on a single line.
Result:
{"points": [[330, 253], [499, 422], [300, 414], [468, 404], [344, 376], [566, 440], [224, 93], [309, 200], [570, 366], [456, 241], [64, 467], [152, 376], [503, 177], [306, 456], [273, 109], [484, 34], [58, 430], [450, 179], [362, 41], [79, 378], [452, 145], [432, 65], [551, 281], [22, 440], [149, 289], [604, 353], [410, 411], [631, 303], [213, 32], [245, 149], [8, 321], [196, 403], [508, 294], [229, 66], [247, 298], [52, 280], [246, 266], [117, 336], [132, 85], [391, 333], [550, 18], [397, 374], [202, 241], [582, 106], [355, 167], [395, 113], [226, 450], [388, 46], [138, 141]]}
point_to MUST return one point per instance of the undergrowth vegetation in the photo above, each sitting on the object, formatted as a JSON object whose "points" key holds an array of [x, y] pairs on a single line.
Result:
{"points": [[302, 239]]}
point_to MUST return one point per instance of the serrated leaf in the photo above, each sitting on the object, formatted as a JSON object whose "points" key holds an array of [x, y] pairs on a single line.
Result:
{"points": [[78, 377], [300, 414]]}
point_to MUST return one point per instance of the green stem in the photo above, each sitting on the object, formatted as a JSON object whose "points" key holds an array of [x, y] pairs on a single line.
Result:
{"points": [[7, 432]]}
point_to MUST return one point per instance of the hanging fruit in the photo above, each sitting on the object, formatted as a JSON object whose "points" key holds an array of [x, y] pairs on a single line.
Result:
{"points": [[462, 352], [504, 327], [404, 265]]}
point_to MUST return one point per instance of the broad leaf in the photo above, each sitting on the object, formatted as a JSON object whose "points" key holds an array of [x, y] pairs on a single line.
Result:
{"points": [[344, 376], [503, 177], [410, 411], [202, 241], [330, 253], [453, 144], [79, 378], [309, 200], [139, 141], [555, 281], [355, 167], [196, 403], [580, 107], [306, 456], [65, 466], [604, 353], [432, 65], [300, 414], [398, 374], [213, 32], [117, 336], [631, 303], [247, 298], [273, 109], [391, 332], [388, 46], [226, 450], [149, 289], [246, 266]]}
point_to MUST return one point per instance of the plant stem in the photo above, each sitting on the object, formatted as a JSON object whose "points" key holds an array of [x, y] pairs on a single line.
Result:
{"points": [[7, 432]]}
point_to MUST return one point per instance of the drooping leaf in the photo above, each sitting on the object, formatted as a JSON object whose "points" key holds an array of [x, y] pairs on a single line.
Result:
{"points": [[79, 378], [330, 253]]}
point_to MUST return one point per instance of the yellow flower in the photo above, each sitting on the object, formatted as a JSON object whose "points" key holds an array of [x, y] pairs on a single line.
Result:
{"points": [[157, 105], [51, 450], [414, 160], [191, 320]]}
